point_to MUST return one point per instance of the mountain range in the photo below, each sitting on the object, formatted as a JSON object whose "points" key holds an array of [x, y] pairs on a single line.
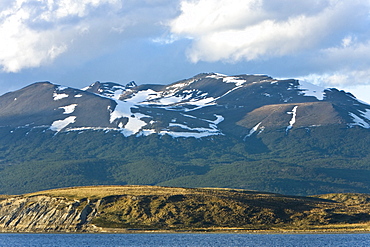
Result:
{"points": [[212, 130]]}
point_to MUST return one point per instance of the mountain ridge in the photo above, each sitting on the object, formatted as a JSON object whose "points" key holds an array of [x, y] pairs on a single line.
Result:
{"points": [[193, 107], [211, 130]]}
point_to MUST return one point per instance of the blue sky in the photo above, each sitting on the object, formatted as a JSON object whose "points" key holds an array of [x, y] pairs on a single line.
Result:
{"points": [[77, 42]]}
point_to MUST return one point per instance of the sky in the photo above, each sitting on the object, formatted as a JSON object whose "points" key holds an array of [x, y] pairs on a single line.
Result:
{"points": [[77, 42]]}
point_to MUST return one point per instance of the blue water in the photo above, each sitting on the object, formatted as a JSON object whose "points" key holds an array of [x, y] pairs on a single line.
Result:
{"points": [[177, 240]]}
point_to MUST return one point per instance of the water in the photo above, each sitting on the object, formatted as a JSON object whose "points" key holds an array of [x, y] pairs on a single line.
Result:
{"points": [[183, 240]]}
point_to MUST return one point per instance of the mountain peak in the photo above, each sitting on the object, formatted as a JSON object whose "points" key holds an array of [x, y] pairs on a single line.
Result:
{"points": [[241, 131], [205, 105]]}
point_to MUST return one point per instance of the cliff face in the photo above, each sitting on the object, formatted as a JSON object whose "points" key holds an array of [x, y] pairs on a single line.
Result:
{"points": [[46, 214]]}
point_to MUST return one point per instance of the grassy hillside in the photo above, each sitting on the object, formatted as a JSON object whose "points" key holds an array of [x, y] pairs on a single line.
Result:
{"points": [[153, 207], [303, 162]]}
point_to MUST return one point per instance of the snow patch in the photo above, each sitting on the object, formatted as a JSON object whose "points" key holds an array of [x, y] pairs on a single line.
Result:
{"points": [[78, 95], [188, 134], [309, 89], [178, 85], [228, 92], [57, 96], [91, 128], [359, 121], [61, 88], [172, 89], [228, 79], [292, 121], [173, 100], [195, 132], [218, 120], [200, 103], [366, 114], [238, 82], [146, 132], [68, 109], [254, 129], [212, 128], [61, 124], [189, 116], [118, 91], [123, 110], [170, 101]]}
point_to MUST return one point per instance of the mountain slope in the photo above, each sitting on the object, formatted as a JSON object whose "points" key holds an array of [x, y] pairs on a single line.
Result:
{"points": [[205, 105], [246, 131]]}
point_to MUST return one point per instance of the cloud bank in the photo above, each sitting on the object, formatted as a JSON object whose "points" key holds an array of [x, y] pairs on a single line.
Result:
{"points": [[331, 36], [326, 41], [36, 32]]}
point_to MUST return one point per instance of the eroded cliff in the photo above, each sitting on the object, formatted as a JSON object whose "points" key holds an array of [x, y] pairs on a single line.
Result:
{"points": [[46, 214]]}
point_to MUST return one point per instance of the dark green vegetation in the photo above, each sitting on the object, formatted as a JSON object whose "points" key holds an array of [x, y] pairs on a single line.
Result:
{"points": [[305, 161], [147, 207]]}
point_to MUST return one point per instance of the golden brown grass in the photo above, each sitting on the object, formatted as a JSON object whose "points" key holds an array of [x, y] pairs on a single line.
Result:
{"points": [[220, 209], [98, 192], [3, 197], [110, 190]]}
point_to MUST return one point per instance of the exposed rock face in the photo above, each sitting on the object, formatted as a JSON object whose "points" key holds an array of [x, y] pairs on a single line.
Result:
{"points": [[45, 214]]}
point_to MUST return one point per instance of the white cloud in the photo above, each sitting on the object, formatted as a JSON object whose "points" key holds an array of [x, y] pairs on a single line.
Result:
{"points": [[268, 38], [165, 40], [347, 41], [208, 16], [347, 64], [36, 32], [339, 78], [352, 55], [57, 9], [326, 40], [355, 81], [237, 30]]}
